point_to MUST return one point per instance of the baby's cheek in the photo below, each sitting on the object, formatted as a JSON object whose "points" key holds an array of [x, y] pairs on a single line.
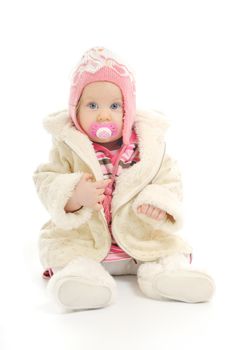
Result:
{"points": [[120, 131]]}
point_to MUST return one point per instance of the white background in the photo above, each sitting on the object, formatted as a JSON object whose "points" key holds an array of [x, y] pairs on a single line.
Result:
{"points": [[181, 54]]}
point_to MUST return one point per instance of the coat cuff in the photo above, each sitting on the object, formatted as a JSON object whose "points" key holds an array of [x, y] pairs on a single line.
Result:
{"points": [[164, 199], [59, 194]]}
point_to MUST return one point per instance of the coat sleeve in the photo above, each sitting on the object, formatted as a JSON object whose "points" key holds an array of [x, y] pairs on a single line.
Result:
{"points": [[164, 192], [55, 182]]}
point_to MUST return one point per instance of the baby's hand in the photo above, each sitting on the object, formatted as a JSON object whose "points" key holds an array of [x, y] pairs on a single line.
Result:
{"points": [[90, 193], [87, 193], [153, 212]]}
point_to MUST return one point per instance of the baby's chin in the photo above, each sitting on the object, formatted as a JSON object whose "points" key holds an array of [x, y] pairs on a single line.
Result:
{"points": [[107, 140]]}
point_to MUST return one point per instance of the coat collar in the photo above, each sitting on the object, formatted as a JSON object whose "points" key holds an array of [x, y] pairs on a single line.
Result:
{"points": [[150, 127]]}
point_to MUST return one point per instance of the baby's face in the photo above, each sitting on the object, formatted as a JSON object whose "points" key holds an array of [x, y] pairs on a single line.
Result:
{"points": [[101, 105]]}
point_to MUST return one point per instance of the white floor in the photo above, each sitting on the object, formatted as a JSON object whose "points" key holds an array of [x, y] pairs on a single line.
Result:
{"points": [[31, 321]]}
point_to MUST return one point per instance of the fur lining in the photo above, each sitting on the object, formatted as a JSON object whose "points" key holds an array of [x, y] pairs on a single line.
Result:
{"points": [[154, 117]]}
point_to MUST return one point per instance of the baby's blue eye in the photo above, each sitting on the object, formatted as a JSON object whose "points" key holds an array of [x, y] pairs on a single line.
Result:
{"points": [[114, 105], [92, 105]]}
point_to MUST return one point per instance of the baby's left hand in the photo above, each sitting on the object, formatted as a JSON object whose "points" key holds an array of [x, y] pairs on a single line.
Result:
{"points": [[151, 211]]}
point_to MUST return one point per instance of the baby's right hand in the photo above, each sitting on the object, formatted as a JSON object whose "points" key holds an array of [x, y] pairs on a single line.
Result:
{"points": [[89, 193]]}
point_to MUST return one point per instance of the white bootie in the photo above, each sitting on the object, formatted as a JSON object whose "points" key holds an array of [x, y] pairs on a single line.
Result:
{"points": [[82, 284], [172, 277]]}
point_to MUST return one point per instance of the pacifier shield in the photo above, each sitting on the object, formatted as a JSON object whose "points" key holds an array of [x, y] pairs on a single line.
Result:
{"points": [[103, 130]]}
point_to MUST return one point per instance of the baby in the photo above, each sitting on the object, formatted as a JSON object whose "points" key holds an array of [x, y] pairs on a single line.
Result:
{"points": [[114, 196]]}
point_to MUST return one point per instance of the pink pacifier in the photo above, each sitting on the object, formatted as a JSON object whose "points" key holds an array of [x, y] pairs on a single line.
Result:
{"points": [[103, 130]]}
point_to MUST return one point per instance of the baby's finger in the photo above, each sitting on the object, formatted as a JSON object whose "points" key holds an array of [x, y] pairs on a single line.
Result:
{"points": [[101, 197], [155, 213], [100, 191], [97, 207], [161, 215], [144, 208], [102, 183], [87, 176], [149, 210]]}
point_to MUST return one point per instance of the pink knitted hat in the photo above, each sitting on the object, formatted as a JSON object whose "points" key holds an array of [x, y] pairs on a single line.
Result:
{"points": [[100, 64]]}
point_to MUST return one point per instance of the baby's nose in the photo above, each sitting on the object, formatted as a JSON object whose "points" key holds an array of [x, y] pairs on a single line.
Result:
{"points": [[104, 116]]}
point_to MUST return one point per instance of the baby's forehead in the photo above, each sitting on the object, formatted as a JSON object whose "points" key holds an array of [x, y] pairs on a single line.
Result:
{"points": [[101, 90]]}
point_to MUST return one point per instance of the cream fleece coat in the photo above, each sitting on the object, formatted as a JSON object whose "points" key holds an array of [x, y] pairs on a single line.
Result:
{"points": [[154, 180]]}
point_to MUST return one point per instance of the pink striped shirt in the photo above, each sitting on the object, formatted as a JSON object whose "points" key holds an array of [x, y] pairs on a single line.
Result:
{"points": [[107, 159]]}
